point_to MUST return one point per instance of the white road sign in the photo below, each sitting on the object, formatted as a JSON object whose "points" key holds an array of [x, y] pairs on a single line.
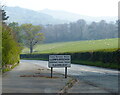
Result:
{"points": [[59, 61]]}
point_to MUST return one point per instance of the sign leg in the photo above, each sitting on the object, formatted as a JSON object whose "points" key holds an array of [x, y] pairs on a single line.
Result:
{"points": [[51, 72], [65, 72]]}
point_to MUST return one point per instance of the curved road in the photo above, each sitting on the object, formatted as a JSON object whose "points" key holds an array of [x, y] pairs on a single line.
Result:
{"points": [[106, 79]]}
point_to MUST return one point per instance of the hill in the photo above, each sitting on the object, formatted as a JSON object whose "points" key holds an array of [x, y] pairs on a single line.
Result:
{"points": [[47, 16], [77, 46], [22, 15], [64, 15]]}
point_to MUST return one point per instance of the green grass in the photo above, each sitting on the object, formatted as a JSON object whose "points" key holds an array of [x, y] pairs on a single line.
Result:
{"points": [[97, 64], [76, 46]]}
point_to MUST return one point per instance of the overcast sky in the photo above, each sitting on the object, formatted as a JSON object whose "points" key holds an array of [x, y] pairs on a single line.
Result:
{"points": [[84, 7]]}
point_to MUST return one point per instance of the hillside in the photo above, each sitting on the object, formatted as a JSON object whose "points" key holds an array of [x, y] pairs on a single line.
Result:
{"points": [[64, 15], [22, 15], [77, 46], [47, 16]]}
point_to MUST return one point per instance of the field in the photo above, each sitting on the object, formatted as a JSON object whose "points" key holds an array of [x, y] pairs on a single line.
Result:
{"points": [[76, 46]]}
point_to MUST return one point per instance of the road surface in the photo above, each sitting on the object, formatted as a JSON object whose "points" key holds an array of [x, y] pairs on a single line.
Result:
{"points": [[32, 78], [106, 79]]}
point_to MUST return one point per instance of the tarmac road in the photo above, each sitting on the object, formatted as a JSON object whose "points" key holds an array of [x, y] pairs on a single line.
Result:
{"points": [[106, 79], [32, 78]]}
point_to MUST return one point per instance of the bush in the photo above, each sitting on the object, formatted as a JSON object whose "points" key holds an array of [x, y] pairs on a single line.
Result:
{"points": [[10, 47]]}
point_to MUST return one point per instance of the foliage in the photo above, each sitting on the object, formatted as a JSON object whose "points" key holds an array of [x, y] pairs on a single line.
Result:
{"points": [[80, 30], [32, 35], [17, 31], [4, 16], [10, 48], [0, 46]]}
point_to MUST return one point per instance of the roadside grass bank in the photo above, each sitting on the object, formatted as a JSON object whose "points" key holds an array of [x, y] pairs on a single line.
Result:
{"points": [[9, 67], [97, 64]]}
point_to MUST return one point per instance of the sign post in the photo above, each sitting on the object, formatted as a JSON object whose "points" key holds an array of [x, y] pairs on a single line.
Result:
{"points": [[51, 72], [59, 61], [65, 72]]}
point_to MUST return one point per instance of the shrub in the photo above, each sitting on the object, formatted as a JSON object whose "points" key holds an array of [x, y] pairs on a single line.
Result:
{"points": [[10, 47]]}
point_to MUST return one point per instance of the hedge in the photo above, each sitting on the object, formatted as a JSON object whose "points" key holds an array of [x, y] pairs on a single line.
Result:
{"points": [[105, 57], [10, 48]]}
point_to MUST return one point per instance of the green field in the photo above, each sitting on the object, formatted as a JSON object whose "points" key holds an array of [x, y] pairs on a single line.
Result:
{"points": [[76, 46]]}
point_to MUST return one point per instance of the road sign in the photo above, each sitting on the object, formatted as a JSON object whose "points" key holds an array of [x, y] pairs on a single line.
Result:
{"points": [[57, 61]]}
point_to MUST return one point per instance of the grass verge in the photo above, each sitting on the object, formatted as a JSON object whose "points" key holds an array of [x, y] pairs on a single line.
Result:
{"points": [[97, 64], [8, 69]]}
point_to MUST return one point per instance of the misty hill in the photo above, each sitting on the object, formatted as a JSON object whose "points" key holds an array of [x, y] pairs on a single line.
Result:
{"points": [[22, 15], [46, 16], [64, 15]]}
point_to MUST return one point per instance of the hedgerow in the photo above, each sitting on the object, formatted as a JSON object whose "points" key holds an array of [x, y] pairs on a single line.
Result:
{"points": [[10, 47]]}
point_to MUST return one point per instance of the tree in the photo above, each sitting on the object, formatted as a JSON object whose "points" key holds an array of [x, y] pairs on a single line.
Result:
{"points": [[10, 47], [32, 35], [17, 31], [3, 14]]}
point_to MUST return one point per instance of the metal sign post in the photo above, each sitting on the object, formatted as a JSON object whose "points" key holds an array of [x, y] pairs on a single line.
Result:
{"points": [[65, 72], [51, 72]]}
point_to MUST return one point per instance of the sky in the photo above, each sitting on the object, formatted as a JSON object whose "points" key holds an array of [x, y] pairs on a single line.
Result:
{"points": [[83, 7]]}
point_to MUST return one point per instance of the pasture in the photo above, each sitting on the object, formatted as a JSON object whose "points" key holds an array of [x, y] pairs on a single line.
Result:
{"points": [[75, 46]]}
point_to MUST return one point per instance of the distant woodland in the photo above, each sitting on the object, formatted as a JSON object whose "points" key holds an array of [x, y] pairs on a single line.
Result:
{"points": [[80, 30]]}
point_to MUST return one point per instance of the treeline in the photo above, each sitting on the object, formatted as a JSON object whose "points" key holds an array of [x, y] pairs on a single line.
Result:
{"points": [[10, 47], [74, 31], [80, 30]]}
